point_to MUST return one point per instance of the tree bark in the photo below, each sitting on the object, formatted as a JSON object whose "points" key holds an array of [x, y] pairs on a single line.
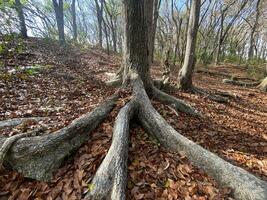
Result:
{"points": [[19, 9], [185, 74], [58, 7], [38, 157], [99, 13], [136, 49], [74, 24], [263, 85], [253, 30]]}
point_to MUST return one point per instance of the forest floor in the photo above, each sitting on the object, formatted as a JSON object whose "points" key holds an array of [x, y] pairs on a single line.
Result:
{"points": [[44, 80]]}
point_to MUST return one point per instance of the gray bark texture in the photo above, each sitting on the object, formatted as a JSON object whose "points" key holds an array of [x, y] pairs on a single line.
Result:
{"points": [[74, 23], [111, 177], [58, 7], [38, 157], [245, 186], [185, 74], [263, 85], [19, 9]]}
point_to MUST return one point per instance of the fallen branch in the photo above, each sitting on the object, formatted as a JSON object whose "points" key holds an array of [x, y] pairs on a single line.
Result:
{"points": [[38, 157], [240, 83]]}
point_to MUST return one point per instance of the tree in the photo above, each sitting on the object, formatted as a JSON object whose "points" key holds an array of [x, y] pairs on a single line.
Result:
{"points": [[99, 14], [37, 157], [58, 8], [185, 74], [111, 9], [74, 24], [253, 30], [19, 9], [223, 32]]}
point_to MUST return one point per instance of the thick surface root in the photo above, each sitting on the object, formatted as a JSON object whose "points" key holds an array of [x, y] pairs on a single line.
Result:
{"points": [[116, 80], [111, 177], [18, 121], [263, 85], [214, 97], [240, 83], [9, 142], [244, 184], [225, 75], [37, 157], [175, 103]]}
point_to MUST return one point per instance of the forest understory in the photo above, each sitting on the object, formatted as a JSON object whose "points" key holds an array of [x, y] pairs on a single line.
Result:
{"points": [[66, 83]]}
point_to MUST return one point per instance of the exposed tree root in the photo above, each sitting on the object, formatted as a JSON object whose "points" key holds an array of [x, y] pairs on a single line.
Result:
{"points": [[37, 157], [221, 74], [117, 79], [244, 184], [9, 142], [240, 83], [225, 75], [220, 97], [18, 121], [111, 177], [175, 103], [263, 85], [214, 97]]}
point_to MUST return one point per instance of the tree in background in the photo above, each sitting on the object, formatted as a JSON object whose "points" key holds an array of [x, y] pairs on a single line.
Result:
{"points": [[74, 24], [185, 74], [58, 8], [19, 9], [99, 13]]}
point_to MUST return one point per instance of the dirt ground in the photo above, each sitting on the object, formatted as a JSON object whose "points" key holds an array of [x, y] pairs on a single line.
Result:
{"points": [[70, 82]]}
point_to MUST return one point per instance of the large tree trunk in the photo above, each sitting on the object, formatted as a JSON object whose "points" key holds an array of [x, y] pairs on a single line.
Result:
{"points": [[74, 24], [136, 50], [58, 7], [19, 9], [185, 74]]}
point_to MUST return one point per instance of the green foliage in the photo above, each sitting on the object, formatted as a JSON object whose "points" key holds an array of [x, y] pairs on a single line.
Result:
{"points": [[32, 71], [11, 44], [66, 6]]}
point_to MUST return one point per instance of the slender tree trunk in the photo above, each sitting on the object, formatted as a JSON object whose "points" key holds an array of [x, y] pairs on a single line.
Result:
{"points": [[113, 27], [106, 35], [178, 31], [99, 12], [155, 16], [74, 24], [185, 74], [219, 45], [19, 9], [253, 30], [58, 7]]}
